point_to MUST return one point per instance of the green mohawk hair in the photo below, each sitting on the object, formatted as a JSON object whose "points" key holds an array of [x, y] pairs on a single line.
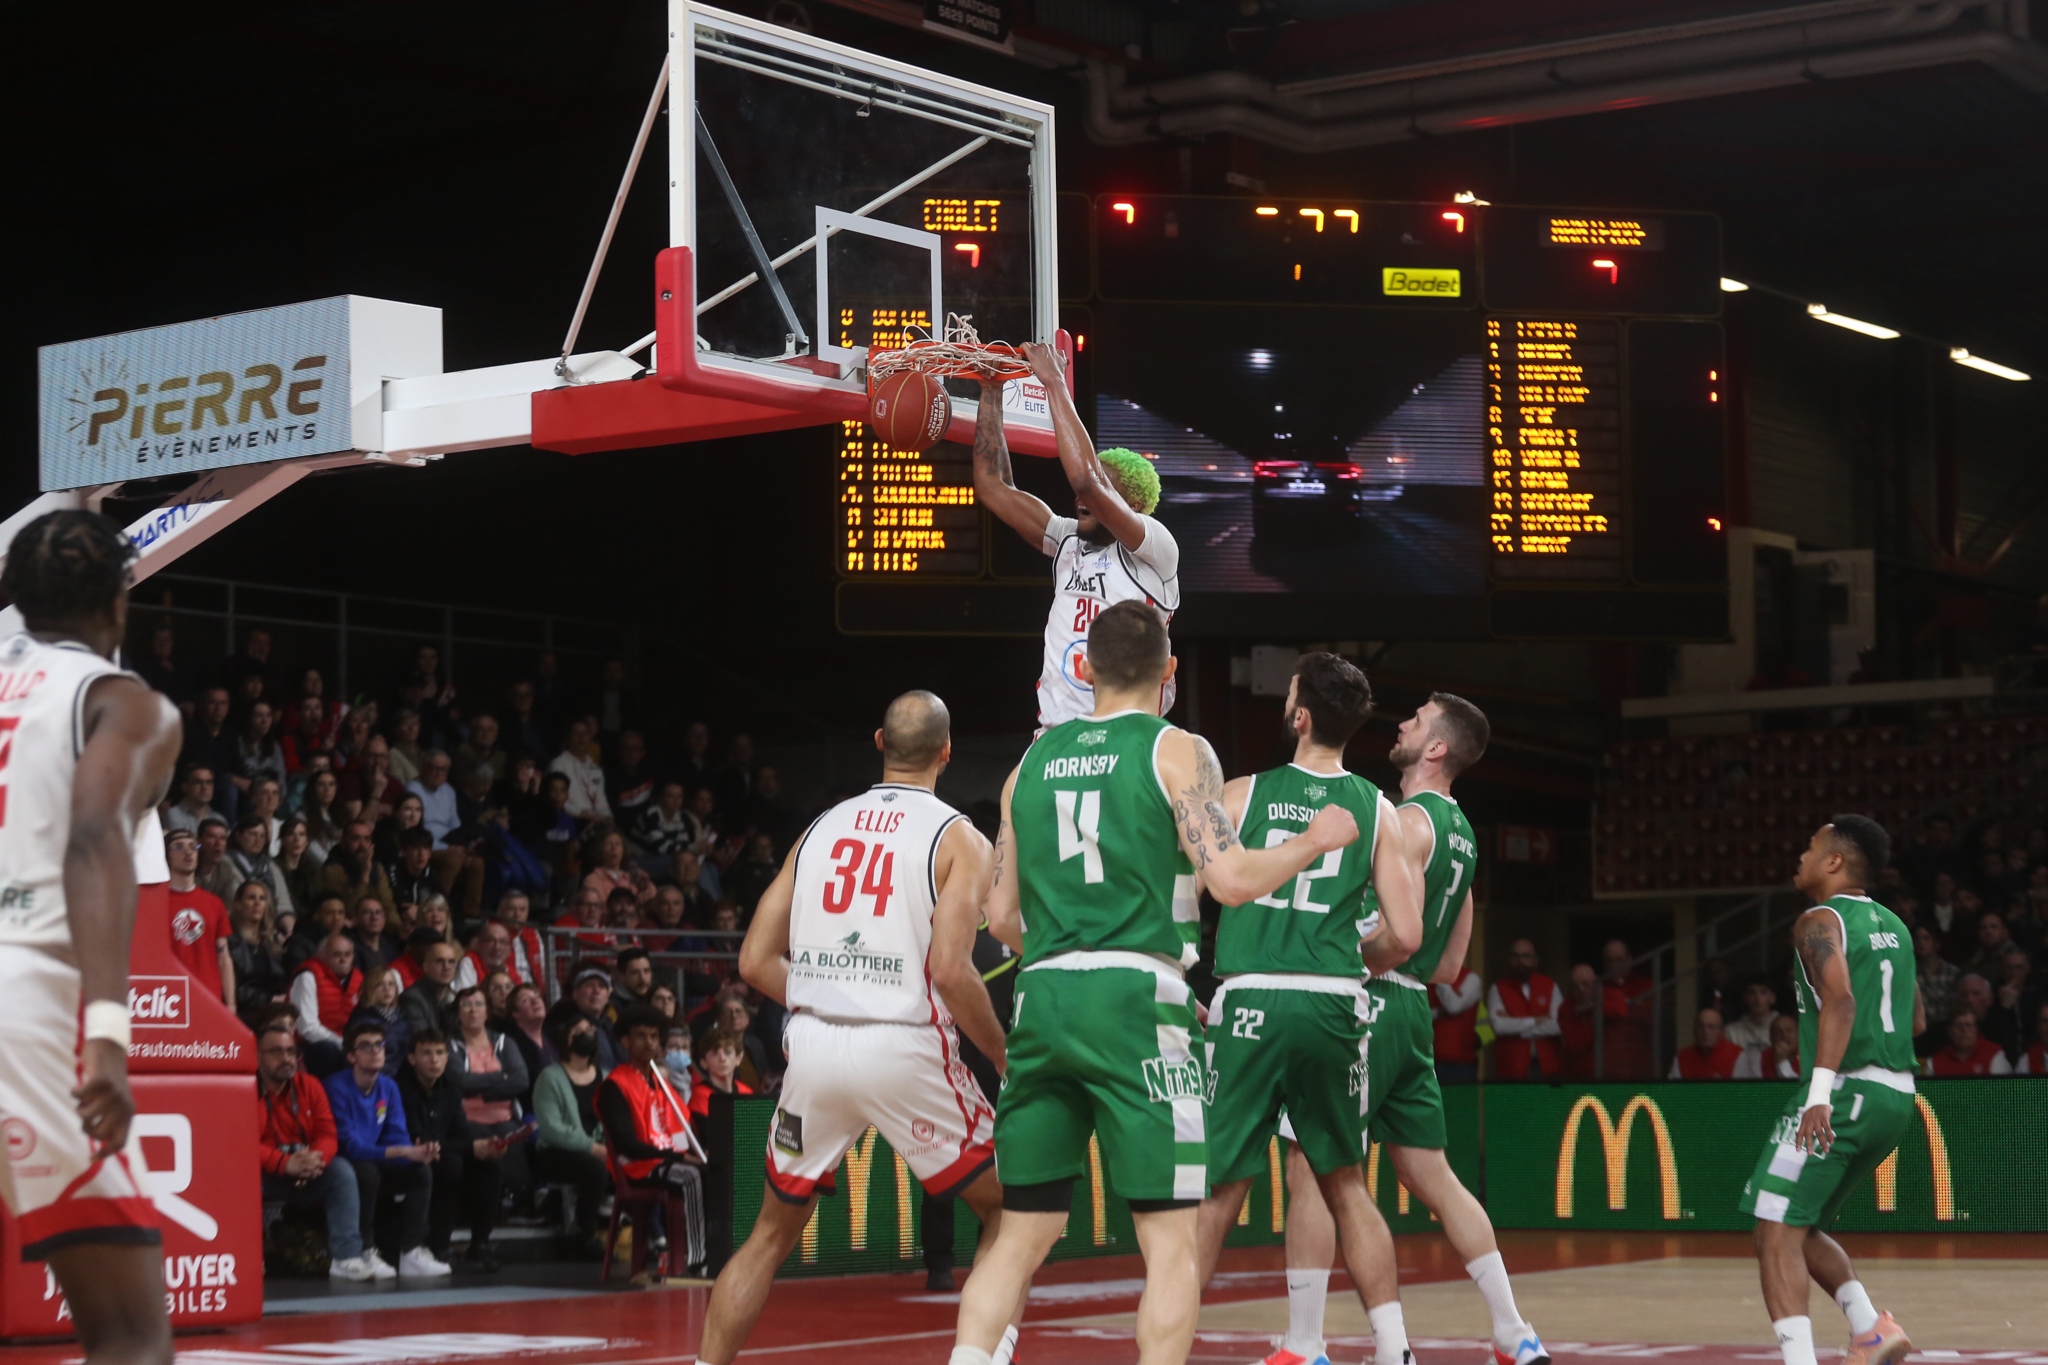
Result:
{"points": [[1135, 477]]}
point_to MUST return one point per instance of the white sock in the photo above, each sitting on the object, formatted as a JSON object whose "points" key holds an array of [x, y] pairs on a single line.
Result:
{"points": [[1490, 1273], [1307, 1292], [1005, 1348], [1856, 1303], [1795, 1339], [967, 1355], [1389, 1334]]}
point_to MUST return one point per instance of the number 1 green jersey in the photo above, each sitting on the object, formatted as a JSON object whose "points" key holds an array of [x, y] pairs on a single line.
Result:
{"points": [[1882, 976], [1099, 866], [1445, 881], [1312, 922]]}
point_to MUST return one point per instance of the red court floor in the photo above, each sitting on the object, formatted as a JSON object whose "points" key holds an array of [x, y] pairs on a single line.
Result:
{"points": [[869, 1320]]}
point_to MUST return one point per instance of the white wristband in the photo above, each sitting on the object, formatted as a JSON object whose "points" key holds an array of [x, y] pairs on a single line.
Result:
{"points": [[1820, 1090], [108, 1020]]}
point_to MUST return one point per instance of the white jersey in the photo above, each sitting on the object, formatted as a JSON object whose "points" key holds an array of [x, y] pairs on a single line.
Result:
{"points": [[1087, 578], [860, 924], [42, 729]]}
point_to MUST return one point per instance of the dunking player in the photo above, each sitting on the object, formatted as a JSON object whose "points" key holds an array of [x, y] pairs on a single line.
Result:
{"points": [[1110, 550], [1110, 825], [1287, 1028], [1445, 736], [87, 752], [874, 911], [1859, 1008]]}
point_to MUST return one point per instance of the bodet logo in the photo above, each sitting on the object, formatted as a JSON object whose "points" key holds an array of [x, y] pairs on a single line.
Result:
{"points": [[160, 1001]]}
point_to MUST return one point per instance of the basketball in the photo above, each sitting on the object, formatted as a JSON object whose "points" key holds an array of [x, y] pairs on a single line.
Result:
{"points": [[910, 411]]}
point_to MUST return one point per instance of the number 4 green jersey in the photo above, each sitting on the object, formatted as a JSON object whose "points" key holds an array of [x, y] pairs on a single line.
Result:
{"points": [[1881, 977], [1099, 866], [1446, 881], [1312, 922]]}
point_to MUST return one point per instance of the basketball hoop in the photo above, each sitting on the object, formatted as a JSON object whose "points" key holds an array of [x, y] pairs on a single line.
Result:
{"points": [[960, 354]]}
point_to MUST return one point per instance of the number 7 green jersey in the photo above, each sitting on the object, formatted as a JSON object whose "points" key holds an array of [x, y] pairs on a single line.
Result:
{"points": [[1882, 977], [1099, 866], [1311, 923], [1446, 880]]}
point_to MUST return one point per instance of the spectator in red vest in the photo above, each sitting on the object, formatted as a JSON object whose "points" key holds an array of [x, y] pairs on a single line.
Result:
{"points": [[586, 912], [491, 953], [648, 1129], [1575, 1023], [1711, 1057], [1969, 1053], [1454, 1017], [295, 1149], [528, 959], [1523, 1006], [1779, 1061], [200, 928], [326, 992], [2034, 1061], [1625, 1011]]}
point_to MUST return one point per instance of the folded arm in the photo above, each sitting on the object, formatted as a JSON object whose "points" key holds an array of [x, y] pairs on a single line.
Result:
{"points": [[1232, 873]]}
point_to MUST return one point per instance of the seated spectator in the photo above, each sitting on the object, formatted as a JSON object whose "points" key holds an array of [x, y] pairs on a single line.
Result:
{"points": [[1717, 987], [622, 908], [578, 762], [325, 992], [412, 875], [481, 749], [370, 1123], [200, 928], [664, 1003], [1969, 1053], [2034, 1061], [629, 780], [705, 839], [265, 800], [1973, 993], [214, 871], [409, 962], [210, 744], [375, 942], [648, 1130], [439, 809], [195, 801], [469, 1159], [676, 1058], [371, 786], [736, 1016], [527, 1014], [586, 916], [161, 670], [1576, 1024], [248, 860], [1523, 1006], [492, 952], [260, 752], [1783, 1059], [296, 1148], [765, 812], [529, 959], [1938, 978], [352, 870], [324, 813], [1752, 1032], [1992, 939], [2015, 1001], [633, 980], [705, 975], [429, 1003], [433, 913], [746, 879], [724, 1053], [570, 1148], [591, 989], [382, 988], [661, 829], [257, 953], [498, 988], [310, 733], [609, 870], [1712, 1057], [1625, 1010], [699, 896], [328, 916], [408, 759], [296, 862], [1454, 1022]]}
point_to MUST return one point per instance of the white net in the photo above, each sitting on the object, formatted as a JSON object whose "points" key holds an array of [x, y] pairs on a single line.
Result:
{"points": [[959, 352]]}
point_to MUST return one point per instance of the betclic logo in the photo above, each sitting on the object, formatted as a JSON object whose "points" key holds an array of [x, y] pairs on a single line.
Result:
{"points": [[160, 1001]]}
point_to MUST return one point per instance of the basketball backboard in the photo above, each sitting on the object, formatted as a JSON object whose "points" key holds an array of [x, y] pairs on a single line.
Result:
{"points": [[825, 201]]}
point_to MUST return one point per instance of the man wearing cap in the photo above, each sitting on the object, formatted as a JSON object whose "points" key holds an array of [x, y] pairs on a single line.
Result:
{"points": [[591, 989]]}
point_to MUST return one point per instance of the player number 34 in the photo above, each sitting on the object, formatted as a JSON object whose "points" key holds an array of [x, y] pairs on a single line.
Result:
{"points": [[847, 879]]}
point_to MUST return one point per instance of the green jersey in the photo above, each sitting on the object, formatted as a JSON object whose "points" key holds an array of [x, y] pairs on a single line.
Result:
{"points": [[1099, 866], [1445, 882], [1312, 923], [1881, 977]]}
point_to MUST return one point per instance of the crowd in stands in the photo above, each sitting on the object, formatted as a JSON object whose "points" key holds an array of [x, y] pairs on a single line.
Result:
{"points": [[364, 881]]}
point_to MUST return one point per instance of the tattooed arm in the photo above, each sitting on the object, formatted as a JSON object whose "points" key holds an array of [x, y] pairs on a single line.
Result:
{"points": [[1233, 873], [1003, 911], [1817, 935], [994, 488]]}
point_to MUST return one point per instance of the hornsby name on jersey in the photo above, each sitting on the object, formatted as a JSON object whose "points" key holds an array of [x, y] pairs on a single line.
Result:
{"points": [[1081, 765]]}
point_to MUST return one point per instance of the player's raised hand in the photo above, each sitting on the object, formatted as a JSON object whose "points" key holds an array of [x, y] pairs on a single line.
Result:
{"points": [[105, 1104], [1332, 827], [1045, 363]]}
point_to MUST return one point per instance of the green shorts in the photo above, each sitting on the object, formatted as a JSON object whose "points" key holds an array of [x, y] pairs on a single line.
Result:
{"points": [[1105, 1043], [1286, 1042], [1806, 1189], [1406, 1106]]}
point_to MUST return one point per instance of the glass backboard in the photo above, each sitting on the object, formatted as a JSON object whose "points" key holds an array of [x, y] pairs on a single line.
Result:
{"points": [[836, 202]]}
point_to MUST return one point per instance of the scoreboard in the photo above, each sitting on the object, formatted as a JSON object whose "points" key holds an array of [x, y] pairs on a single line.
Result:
{"points": [[904, 513], [1553, 445]]}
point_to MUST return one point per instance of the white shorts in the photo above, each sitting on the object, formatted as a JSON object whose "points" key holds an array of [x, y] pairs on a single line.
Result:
{"points": [[58, 1189], [905, 1079]]}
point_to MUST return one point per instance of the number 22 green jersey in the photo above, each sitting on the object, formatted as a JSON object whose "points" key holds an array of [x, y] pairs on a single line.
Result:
{"points": [[1312, 922], [1882, 977], [1099, 866]]}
